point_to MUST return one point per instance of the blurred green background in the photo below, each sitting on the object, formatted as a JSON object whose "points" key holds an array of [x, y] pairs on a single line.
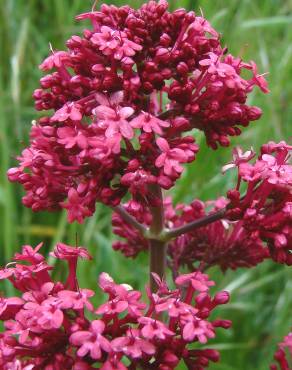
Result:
{"points": [[254, 29]]}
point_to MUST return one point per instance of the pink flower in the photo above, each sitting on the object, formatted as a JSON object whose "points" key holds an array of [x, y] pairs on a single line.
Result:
{"points": [[66, 252], [49, 326], [239, 157], [133, 345], [198, 329], [170, 159], [154, 329], [174, 307], [123, 298], [199, 281], [149, 123], [68, 111], [115, 120], [70, 137], [49, 317], [91, 342], [77, 210], [56, 60], [264, 210], [75, 300], [113, 364], [258, 80], [114, 42], [30, 254]]}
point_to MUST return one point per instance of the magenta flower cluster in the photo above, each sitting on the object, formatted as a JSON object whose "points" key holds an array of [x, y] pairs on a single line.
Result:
{"points": [[265, 211], [125, 97], [125, 102], [48, 326]]}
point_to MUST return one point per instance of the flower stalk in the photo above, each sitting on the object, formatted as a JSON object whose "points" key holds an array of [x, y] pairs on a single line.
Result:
{"points": [[130, 219], [157, 247], [204, 221]]}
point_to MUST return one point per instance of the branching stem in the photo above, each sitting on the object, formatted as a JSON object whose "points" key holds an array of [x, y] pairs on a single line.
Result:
{"points": [[174, 233], [130, 219]]}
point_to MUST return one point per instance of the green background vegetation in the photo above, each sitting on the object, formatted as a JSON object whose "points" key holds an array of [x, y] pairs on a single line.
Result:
{"points": [[254, 29]]}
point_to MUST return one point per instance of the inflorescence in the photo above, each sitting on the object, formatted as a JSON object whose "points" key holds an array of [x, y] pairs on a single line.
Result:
{"points": [[54, 326], [124, 104]]}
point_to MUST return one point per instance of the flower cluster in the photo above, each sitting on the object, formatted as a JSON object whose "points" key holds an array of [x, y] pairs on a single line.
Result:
{"points": [[265, 210], [124, 96], [222, 243], [284, 355], [47, 326]]}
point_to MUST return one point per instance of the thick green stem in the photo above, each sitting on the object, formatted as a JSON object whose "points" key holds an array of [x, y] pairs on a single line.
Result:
{"points": [[157, 248], [157, 261]]}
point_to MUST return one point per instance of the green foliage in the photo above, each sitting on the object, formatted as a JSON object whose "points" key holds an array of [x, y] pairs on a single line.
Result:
{"points": [[259, 30]]}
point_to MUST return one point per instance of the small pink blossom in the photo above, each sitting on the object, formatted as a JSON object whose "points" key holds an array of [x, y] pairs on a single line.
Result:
{"points": [[239, 157], [55, 60], [199, 281], [196, 328], [75, 300], [114, 42], [170, 159], [77, 210], [68, 111], [66, 252], [115, 120], [133, 345], [149, 123], [154, 329], [70, 137], [91, 342]]}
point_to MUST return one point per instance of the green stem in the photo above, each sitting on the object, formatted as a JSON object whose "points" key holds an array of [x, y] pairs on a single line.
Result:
{"points": [[157, 247], [130, 219], [204, 221]]}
